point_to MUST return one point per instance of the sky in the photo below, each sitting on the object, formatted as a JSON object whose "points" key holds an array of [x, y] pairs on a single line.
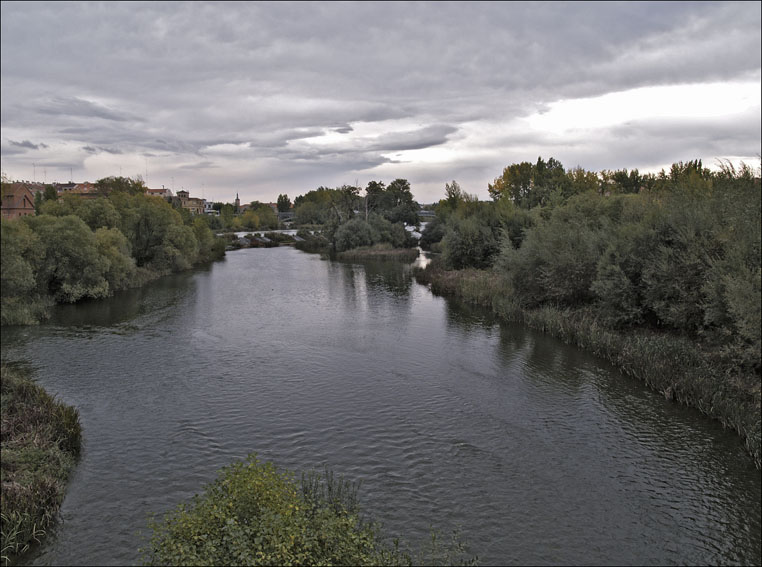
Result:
{"points": [[262, 99]]}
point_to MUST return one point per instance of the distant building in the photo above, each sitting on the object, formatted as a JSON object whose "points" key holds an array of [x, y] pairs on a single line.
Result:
{"points": [[85, 190], [163, 192], [193, 204], [17, 200]]}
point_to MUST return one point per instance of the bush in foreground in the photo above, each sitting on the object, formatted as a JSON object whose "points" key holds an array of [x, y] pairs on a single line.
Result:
{"points": [[255, 514], [40, 444]]}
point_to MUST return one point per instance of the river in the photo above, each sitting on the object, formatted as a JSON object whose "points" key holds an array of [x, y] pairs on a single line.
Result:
{"points": [[538, 452]]}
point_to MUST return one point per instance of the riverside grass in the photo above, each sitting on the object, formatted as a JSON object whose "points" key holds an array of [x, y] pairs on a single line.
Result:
{"points": [[41, 441], [673, 365], [383, 251]]}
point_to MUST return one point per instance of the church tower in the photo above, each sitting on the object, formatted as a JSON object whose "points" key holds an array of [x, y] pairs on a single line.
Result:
{"points": [[237, 203]]}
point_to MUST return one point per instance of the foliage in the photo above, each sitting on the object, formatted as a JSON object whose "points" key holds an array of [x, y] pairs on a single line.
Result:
{"points": [[255, 514], [21, 251], [88, 248], [71, 267], [109, 185], [529, 185], [41, 440], [353, 234], [333, 207], [284, 204]]}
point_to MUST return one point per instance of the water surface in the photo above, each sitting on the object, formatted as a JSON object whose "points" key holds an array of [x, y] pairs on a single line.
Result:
{"points": [[540, 453]]}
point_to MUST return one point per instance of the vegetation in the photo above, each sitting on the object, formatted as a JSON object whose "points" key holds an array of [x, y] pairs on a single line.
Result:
{"points": [[658, 273], [41, 440], [255, 514], [88, 248], [350, 221], [379, 252]]}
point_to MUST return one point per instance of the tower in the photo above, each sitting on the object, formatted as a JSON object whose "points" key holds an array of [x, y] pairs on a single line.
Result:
{"points": [[237, 203]]}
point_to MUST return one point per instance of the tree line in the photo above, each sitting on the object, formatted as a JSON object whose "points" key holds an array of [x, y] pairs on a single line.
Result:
{"points": [[675, 252], [88, 248], [347, 219]]}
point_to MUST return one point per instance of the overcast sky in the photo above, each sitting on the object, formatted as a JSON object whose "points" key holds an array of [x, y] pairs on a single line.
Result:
{"points": [[268, 98]]}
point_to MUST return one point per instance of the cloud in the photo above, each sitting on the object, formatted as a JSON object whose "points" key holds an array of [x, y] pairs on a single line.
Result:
{"points": [[74, 106], [29, 145], [258, 95], [95, 150]]}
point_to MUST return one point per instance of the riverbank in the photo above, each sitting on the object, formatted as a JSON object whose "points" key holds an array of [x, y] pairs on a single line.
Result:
{"points": [[673, 365], [41, 441], [383, 251]]}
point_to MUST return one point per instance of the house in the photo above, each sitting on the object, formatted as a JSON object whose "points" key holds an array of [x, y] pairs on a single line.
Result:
{"points": [[163, 192], [193, 204], [85, 190], [17, 200]]}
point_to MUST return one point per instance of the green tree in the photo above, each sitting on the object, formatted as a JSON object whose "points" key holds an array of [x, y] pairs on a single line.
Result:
{"points": [[398, 203], [71, 267], [20, 257], [108, 185], [284, 204], [113, 246], [99, 213]]}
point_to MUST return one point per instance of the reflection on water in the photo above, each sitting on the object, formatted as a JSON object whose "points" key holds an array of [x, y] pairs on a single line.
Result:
{"points": [[539, 452]]}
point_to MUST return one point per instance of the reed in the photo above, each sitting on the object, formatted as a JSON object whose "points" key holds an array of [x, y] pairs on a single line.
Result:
{"points": [[41, 441]]}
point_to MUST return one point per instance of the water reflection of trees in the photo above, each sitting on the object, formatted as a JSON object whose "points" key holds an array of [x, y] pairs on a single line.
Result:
{"points": [[126, 305], [372, 281]]}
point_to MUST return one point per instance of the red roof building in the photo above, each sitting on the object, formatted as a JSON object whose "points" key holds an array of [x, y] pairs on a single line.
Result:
{"points": [[17, 201]]}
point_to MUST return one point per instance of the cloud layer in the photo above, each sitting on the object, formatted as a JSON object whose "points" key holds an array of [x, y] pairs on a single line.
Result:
{"points": [[268, 98]]}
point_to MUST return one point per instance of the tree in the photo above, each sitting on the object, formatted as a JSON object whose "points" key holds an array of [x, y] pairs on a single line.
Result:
{"points": [[530, 185], [108, 185], [398, 203], [72, 267], [374, 194], [284, 204], [20, 257]]}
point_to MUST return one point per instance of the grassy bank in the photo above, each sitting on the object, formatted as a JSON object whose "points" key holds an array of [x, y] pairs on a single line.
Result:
{"points": [[41, 441], [383, 251], [675, 366]]}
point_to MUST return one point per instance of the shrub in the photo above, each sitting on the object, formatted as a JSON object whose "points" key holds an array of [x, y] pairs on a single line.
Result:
{"points": [[353, 234], [255, 514]]}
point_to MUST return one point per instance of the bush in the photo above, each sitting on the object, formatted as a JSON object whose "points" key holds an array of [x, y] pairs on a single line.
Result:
{"points": [[353, 234], [254, 514]]}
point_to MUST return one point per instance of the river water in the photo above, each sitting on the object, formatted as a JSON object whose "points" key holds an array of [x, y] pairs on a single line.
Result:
{"points": [[537, 452]]}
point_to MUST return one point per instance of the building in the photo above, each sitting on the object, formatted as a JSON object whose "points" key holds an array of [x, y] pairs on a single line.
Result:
{"points": [[85, 190], [17, 200], [163, 192], [195, 205]]}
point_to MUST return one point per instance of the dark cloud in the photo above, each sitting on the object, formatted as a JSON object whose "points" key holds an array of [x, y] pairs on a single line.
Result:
{"points": [[96, 150], [206, 164], [73, 106], [415, 140], [29, 145]]}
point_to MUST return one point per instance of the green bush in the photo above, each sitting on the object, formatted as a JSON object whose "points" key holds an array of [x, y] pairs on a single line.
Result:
{"points": [[255, 514], [353, 234]]}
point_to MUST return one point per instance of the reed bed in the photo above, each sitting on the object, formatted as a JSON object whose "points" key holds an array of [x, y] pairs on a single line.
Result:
{"points": [[41, 440]]}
